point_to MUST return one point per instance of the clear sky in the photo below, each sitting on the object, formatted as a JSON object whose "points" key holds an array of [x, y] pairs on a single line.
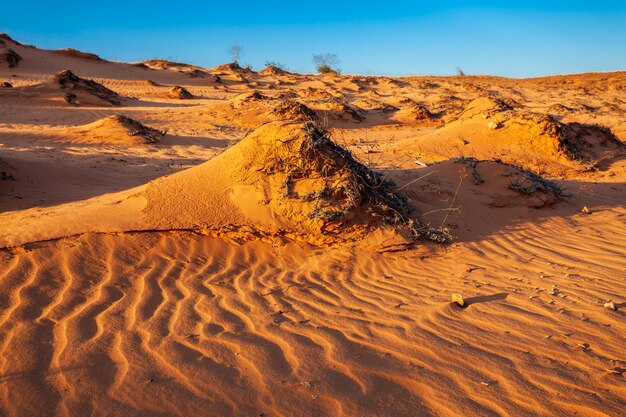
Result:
{"points": [[511, 38]]}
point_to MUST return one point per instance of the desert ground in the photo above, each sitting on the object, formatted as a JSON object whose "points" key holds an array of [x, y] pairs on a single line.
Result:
{"points": [[184, 241]]}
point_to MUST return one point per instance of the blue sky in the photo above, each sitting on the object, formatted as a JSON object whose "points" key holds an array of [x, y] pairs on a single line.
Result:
{"points": [[509, 38]]}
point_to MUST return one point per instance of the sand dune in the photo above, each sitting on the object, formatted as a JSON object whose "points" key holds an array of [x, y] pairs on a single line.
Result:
{"points": [[276, 252], [182, 324], [118, 129], [492, 129]]}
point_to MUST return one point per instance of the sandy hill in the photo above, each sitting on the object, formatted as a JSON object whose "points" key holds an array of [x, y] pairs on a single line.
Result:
{"points": [[494, 129]]}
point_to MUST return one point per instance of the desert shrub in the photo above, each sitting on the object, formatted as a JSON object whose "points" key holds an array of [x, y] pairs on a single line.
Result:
{"points": [[326, 63], [276, 65]]}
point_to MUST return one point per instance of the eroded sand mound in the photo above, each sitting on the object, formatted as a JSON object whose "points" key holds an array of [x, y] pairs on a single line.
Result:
{"points": [[371, 104], [188, 69], [231, 67], [249, 99], [178, 92], [75, 90], [293, 111], [9, 58], [489, 128], [118, 129], [413, 112], [337, 108], [283, 180], [273, 70]]}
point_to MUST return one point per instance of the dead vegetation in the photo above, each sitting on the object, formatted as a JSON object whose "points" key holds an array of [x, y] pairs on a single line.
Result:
{"points": [[293, 111], [581, 141], [346, 189], [73, 84], [521, 180], [137, 129]]}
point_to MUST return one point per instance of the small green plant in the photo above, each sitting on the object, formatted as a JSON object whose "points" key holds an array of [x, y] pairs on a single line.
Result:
{"points": [[326, 63]]}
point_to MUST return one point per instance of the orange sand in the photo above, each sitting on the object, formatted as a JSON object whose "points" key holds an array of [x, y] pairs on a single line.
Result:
{"points": [[176, 277]]}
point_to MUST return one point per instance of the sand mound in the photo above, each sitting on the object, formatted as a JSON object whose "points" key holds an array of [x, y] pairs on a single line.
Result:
{"points": [[118, 129], [420, 112], [339, 109], [9, 58], [249, 99], [293, 111], [591, 145], [75, 53], [316, 93], [284, 178], [273, 70], [214, 78], [233, 68], [178, 92], [491, 128], [80, 91], [484, 107], [414, 112], [374, 105], [6, 84], [161, 64]]}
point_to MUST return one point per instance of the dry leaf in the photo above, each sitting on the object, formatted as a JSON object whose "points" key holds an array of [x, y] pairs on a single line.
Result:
{"points": [[458, 299], [610, 305]]}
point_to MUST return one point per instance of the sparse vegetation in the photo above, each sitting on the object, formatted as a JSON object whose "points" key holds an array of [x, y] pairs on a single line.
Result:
{"points": [[326, 63], [522, 180], [347, 185], [275, 64]]}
